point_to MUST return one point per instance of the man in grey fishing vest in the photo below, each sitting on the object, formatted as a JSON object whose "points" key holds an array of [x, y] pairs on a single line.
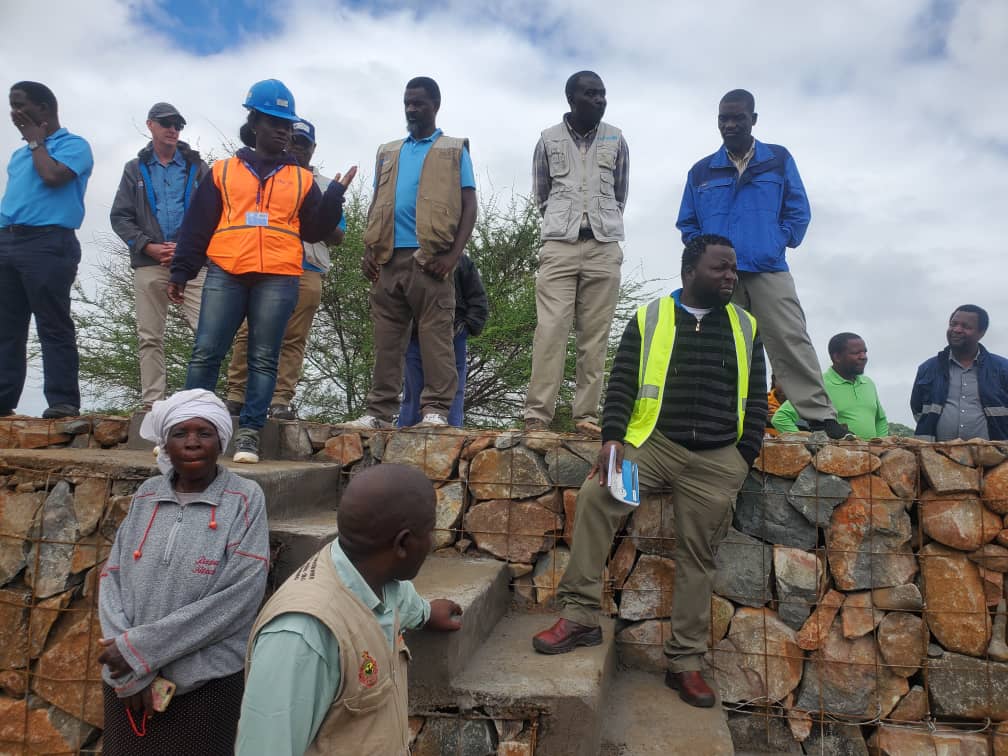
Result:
{"points": [[581, 170]]}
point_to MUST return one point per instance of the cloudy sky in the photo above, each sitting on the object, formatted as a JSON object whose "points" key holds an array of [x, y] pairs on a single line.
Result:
{"points": [[895, 113]]}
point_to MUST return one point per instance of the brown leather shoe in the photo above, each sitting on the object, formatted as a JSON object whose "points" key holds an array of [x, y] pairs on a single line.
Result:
{"points": [[565, 636], [588, 428], [693, 689]]}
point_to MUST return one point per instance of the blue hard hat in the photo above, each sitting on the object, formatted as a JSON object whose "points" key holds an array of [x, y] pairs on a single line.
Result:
{"points": [[271, 97]]}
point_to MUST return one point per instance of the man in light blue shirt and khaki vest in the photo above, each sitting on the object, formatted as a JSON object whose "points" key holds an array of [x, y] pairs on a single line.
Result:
{"points": [[421, 216], [581, 169], [39, 252]]}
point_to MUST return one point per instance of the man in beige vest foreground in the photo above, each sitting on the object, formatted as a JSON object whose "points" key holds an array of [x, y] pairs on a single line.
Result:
{"points": [[581, 169], [326, 663]]}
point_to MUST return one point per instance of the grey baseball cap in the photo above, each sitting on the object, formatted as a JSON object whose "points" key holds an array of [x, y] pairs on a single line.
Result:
{"points": [[164, 110]]}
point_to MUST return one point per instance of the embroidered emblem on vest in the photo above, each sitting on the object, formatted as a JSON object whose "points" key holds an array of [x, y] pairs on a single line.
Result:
{"points": [[368, 674]]}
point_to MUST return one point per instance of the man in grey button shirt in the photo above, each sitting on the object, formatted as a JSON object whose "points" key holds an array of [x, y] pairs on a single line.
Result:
{"points": [[963, 391]]}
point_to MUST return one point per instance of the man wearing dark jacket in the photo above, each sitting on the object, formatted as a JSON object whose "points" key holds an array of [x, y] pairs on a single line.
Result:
{"points": [[153, 195], [690, 411], [470, 316], [962, 392]]}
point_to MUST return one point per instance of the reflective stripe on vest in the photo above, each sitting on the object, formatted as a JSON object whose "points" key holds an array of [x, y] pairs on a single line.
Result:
{"points": [[239, 247], [656, 321]]}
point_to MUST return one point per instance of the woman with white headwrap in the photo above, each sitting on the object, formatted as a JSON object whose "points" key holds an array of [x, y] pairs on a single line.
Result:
{"points": [[181, 588]]}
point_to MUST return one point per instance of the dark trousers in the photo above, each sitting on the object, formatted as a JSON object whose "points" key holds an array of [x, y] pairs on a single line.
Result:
{"points": [[413, 383], [37, 269]]}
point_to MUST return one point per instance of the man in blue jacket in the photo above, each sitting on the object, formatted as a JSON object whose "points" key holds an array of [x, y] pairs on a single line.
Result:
{"points": [[962, 392], [751, 193]]}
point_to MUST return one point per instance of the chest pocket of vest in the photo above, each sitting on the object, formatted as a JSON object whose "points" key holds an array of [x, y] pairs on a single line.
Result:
{"points": [[385, 171], [606, 157], [370, 699], [559, 158]]}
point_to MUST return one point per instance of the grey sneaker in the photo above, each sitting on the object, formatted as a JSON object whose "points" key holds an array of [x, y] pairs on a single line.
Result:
{"points": [[60, 410], [247, 446], [433, 418], [366, 422], [282, 412]]}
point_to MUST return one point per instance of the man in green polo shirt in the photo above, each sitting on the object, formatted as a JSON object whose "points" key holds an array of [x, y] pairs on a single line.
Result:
{"points": [[853, 394]]}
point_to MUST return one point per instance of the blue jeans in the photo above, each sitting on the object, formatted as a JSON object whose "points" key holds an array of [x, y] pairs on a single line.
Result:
{"points": [[267, 302], [413, 383], [37, 269]]}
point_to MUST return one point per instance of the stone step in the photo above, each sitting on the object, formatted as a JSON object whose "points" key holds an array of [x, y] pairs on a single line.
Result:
{"points": [[296, 539], [506, 679], [645, 718], [291, 488], [480, 587]]}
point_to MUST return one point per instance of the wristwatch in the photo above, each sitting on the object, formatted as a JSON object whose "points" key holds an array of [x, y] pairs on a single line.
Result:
{"points": [[33, 145]]}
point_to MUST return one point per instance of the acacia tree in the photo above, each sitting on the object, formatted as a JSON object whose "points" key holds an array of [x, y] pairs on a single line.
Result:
{"points": [[339, 355]]}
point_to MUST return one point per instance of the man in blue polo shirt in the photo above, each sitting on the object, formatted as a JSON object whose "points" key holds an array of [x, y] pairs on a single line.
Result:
{"points": [[39, 252], [421, 217]]}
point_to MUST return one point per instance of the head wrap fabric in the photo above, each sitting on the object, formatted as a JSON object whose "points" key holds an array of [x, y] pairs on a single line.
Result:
{"points": [[179, 407]]}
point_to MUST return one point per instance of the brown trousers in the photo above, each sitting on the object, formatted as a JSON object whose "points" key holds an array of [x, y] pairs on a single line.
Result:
{"points": [[704, 485], [291, 350], [405, 293]]}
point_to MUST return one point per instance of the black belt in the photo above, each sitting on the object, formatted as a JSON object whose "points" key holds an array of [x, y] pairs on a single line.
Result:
{"points": [[585, 233], [16, 229]]}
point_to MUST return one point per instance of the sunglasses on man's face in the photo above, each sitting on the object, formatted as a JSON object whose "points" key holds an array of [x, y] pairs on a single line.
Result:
{"points": [[170, 123]]}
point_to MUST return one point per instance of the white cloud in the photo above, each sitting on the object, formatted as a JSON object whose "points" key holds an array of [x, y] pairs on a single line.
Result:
{"points": [[904, 155]]}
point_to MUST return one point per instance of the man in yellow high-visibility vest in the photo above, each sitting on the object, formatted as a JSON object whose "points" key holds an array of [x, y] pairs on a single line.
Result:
{"points": [[687, 402]]}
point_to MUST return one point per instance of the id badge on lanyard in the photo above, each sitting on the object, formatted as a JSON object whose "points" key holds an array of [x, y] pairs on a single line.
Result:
{"points": [[254, 218]]}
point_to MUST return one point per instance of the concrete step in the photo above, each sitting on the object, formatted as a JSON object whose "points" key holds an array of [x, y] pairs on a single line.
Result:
{"points": [[480, 587], [645, 718], [296, 539], [506, 679], [292, 489]]}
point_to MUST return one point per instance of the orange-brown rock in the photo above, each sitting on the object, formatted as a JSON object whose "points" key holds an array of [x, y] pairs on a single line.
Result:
{"points": [[903, 640], [549, 568], [991, 556], [759, 657], [513, 530], [958, 520], [14, 682], [17, 511], [993, 583], [913, 707], [622, 562], [14, 612], [947, 476], [845, 462], [999, 739], [433, 451], [115, 512], [901, 471], [847, 677], [987, 454], [868, 541], [647, 593], [68, 674], [90, 496], [38, 434], [29, 730], [448, 511], [345, 449], [111, 431], [954, 600], [513, 473], [995, 489], [785, 457], [817, 626], [569, 509], [88, 552], [1002, 538], [859, 616], [477, 445], [43, 617], [959, 452]]}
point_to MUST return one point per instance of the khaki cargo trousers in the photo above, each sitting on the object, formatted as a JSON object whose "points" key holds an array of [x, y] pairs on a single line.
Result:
{"points": [[704, 485]]}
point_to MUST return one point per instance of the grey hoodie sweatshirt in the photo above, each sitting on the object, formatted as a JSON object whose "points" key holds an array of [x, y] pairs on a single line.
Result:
{"points": [[182, 585]]}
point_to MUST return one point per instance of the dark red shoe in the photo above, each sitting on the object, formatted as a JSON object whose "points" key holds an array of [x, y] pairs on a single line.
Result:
{"points": [[565, 636], [693, 689]]}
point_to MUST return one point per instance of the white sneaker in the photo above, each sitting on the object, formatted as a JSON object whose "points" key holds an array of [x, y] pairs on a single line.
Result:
{"points": [[434, 419], [366, 422]]}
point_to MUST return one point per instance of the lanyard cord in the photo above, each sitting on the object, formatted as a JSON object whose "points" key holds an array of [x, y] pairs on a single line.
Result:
{"points": [[143, 723]]}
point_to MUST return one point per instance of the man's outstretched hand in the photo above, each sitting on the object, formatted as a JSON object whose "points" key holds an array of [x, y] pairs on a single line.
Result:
{"points": [[443, 613]]}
